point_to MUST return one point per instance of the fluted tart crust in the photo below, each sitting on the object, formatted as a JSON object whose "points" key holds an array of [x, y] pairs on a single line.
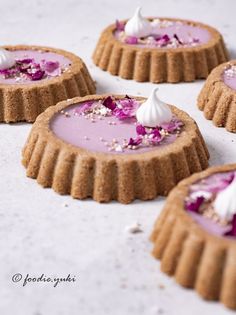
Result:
{"points": [[217, 100], [159, 64], [24, 102], [103, 176], [196, 258]]}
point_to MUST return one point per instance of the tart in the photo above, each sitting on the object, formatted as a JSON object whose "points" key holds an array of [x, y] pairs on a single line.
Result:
{"points": [[95, 147], [195, 236], [159, 49], [217, 98], [33, 78]]}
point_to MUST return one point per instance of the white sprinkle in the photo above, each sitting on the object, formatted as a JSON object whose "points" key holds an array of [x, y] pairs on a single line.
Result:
{"points": [[86, 138], [119, 148]]}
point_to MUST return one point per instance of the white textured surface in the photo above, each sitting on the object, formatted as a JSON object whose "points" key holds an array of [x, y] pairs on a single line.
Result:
{"points": [[114, 269]]}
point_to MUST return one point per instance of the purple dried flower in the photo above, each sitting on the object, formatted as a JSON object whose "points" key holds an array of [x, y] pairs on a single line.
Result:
{"points": [[120, 26], [25, 61], [109, 103], [233, 230], [172, 126], [135, 141], [38, 75], [163, 40], [140, 130], [84, 107], [156, 133], [127, 96], [178, 40], [194, 205], [132, 40], [8, 73], [126, 108], [50, 66]]}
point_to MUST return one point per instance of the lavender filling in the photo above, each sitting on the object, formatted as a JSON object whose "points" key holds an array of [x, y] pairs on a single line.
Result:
{"points": [[166, 34], [229, 76], [34, 65], [110, 126], [199, 204]]}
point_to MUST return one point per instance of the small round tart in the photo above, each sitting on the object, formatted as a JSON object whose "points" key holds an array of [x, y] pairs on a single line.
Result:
{"points": [[195, 235], [173, 50], [217, 98], [33, 78], [94, 147]]}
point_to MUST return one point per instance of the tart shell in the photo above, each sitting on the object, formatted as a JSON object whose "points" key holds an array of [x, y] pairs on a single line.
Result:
{"points": [[24, 102], [196, 258], [159, 64], [218, 101], [104, 177]]}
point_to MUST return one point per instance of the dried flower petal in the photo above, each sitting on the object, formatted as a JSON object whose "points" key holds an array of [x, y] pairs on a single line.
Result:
{"points": [[140, 130], [135, 142], [178, 40], [163, 40], [126, 108], [233, 230], [120, 26], [194, 205], [25, 61], [38, 75], [109, 103], [173, 125], [50, 66], [132, 40], [84, 107]]}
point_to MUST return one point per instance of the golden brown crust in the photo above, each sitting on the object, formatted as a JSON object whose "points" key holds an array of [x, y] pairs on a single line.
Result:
{"points": [[196, 258], [218, 101], [104, 177], [24, 102], [159, 65]]}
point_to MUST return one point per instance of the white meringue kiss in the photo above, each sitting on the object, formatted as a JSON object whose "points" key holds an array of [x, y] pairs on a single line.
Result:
{"points": [[6, 59], [225, 202], [138, 26], [153, 112]]}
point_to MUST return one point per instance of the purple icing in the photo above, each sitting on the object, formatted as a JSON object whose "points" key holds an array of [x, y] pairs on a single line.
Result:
{"points": [[170, 35], [78, 130], [229, 76], [41, 58], [209, 186]]}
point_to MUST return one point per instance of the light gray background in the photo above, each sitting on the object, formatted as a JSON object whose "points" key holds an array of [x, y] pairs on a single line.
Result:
{"points": [[114, 269]]}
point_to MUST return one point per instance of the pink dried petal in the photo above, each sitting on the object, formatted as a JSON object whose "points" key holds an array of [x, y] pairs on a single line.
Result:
{"points": [[109, 103], [140, 130], [120, 26], [84, 107], [172, 126], [178, 40], [194, 205], [50, 66], [163, 40], [38, 75], [126, 109], [233, 230], [156, 133], [135, 142], [26, 60], [132, 40]]}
